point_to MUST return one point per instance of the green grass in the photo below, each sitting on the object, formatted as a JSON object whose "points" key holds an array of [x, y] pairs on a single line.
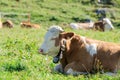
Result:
{"points": [[19, 57]]}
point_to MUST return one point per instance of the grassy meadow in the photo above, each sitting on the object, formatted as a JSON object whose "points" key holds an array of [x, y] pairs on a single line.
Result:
{"points": [[19, 57]]}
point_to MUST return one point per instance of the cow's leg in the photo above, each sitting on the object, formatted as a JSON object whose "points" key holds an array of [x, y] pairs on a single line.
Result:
{"points": [[74, 69], [58, 68]]}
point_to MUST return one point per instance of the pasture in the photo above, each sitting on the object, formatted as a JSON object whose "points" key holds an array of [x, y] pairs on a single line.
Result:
{"points": [[20, 60], [19, 57]]}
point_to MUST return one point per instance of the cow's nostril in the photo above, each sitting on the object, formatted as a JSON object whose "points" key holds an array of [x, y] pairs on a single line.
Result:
{"points": [[41, 50]]}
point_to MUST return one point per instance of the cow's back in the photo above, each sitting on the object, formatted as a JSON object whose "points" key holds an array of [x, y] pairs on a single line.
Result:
{"points": [[108, 54]]}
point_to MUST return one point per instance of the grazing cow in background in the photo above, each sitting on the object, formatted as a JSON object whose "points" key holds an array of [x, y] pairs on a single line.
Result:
{"points": [[84, 25], [50, 44], [103, 25], [8, 23], [81, 55], [29, 25]]}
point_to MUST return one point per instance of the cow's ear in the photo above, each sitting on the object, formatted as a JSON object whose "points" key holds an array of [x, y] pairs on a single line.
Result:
{"points": [[61, 31], [69, 35], [66, 35]]}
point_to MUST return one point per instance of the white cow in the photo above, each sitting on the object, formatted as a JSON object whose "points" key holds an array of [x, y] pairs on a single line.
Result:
{"points": [[49, 46]]}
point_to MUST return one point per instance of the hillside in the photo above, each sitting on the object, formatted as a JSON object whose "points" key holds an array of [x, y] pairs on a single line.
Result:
{"points": [[48, 12]]}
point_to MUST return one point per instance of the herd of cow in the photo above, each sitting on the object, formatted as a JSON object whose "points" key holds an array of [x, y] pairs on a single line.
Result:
{"points": [[103, 25], [23, 24], [80, 55]]}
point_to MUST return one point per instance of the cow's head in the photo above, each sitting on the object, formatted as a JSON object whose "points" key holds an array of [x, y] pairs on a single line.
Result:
{"points": [[64, 40], [51, 44], [68, 39], [108, 24]]}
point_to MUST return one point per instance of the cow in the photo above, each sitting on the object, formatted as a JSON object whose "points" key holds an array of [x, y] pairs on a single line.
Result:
{"points": [[26, 24], [50, 44], [86, 25], [8, 23], [103, 25], [81, 55]]}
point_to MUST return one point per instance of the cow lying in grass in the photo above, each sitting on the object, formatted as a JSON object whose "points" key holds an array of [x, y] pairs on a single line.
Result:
{"points": [[81, 55], [25, 24], [8, 23], [86, 25], [51, 44], [104, 25]]}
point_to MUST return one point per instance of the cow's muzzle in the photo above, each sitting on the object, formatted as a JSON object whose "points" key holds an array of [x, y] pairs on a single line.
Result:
{"points": [[40, 51]]}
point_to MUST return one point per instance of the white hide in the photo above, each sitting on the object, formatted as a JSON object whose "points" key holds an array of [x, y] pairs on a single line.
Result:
{"points": [[74, 26], [108, 25], [81, 25], [49, 45], [91, 48], [70, 71]]}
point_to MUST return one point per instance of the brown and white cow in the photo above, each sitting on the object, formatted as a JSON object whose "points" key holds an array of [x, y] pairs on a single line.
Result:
{"points": [[81, 55], [8, 23], [26, 24], [103, 25]]}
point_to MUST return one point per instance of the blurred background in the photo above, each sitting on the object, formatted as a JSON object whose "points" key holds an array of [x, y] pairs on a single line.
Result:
{"points": [[61, 12]]}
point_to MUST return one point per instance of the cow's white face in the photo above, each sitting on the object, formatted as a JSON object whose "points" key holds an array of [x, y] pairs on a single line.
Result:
{"points": [[48, 46], [108, 25]]}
